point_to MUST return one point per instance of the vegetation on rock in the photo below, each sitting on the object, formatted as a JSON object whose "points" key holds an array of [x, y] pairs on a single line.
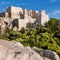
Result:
{"points": [[47, 37]]}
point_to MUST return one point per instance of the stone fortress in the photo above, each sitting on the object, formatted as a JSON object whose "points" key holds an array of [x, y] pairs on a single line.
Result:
{"points": [[16, 18]]}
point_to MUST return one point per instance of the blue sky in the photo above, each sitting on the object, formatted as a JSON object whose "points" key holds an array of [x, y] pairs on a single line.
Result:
{"points": [[52, 7]]}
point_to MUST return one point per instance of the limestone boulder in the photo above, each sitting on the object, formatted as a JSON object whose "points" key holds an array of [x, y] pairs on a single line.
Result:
{"points": [[47, 58], [2, 53], [47, 54], [16, 51], [50, 54]]}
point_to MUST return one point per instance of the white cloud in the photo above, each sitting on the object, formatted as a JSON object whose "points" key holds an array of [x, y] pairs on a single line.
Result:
{"points": [[23, 4], [53, 0], [54, 12], [1, 3]]}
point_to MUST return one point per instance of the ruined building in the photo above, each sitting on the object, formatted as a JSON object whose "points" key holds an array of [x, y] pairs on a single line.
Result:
{"points": [[16, 18]]}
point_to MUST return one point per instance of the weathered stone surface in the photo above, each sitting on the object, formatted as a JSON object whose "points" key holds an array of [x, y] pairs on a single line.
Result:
{"points": [[15, 51], [47, 54], [2, 53], [50, 54], [46, 58]]}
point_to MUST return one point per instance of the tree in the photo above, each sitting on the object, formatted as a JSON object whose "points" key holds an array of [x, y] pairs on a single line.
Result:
{"points": [[53, 25]]}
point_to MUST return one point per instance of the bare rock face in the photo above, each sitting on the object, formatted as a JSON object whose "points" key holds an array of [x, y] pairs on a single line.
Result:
{"points": [[47, 58], [50, 54], [16, 51], [2, 53], [47, 54]]}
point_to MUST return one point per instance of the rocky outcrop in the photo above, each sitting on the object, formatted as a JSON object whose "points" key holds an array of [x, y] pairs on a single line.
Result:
{"points": [[16, 51], [50, 54], [47, 54]]}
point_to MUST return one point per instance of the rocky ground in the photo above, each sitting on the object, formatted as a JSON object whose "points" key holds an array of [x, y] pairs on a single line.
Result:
{"points": [[16, 51]]}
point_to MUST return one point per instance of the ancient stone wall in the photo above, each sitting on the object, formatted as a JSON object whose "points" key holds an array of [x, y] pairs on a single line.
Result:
{"points": [[35, 14], [15, 12], [24, 16], [43, 17]]}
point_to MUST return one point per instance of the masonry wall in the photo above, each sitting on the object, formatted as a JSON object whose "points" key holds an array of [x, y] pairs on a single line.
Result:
{"points": [[43, 17], [35, 14], [24, 16], [14, 12]]}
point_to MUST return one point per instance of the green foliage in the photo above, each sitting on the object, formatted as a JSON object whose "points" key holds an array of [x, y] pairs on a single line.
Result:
{"points": [[53, 25], [12, 35], [57, 34]]}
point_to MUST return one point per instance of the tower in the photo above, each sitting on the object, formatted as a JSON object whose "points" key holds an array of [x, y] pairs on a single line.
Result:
{"points": [[43, 17]]}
